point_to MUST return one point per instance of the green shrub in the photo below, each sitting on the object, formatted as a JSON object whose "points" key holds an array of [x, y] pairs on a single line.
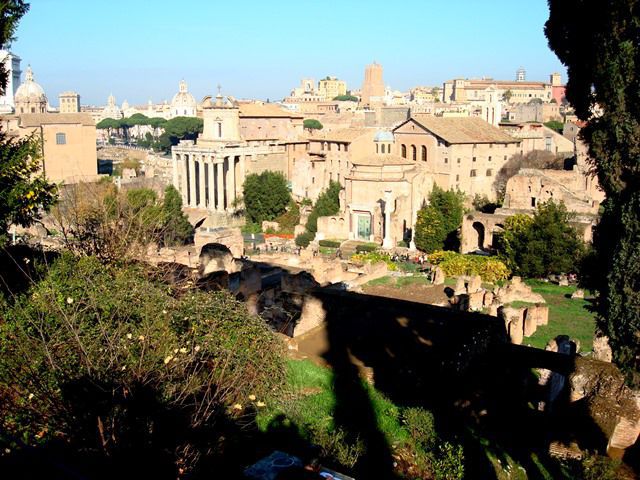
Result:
{"points": [[328, 203], [491, 269], [105, 340], [402, 243], [420, 424], [374, 257], [448, 462], [289, 219], [329, 243], [304, 239], [366, 248]]}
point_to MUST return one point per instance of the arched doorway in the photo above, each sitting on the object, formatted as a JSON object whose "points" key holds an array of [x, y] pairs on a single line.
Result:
{"points": [[479, 229]]}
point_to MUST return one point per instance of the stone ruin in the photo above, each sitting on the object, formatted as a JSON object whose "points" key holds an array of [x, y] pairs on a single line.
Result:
{"points": [[520, 322]]}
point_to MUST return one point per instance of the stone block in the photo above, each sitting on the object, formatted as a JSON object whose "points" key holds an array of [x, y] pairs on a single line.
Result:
{"points": [[476, 301], [266, 225], [530, 323], [475, 284], [461, 288], [514, 323], [313, 314], [438, 276], [540, 314], [601, 349], [563, 281], [488, 298], [578, 294], [298, 230]]}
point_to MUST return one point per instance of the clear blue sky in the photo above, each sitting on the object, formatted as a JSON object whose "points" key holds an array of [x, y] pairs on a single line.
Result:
{"points": [[139, 50]]}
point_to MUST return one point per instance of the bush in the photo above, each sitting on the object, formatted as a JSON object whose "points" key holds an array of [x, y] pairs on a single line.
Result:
{"points": [[266, 196], [448, 462], [119, 362], [421, 426], [289, 219], [542, 245], [366, 248], [304, 239], [329, 243], [438, 223], [491, 269], [328, 203], [374, 257], [311, 124]]}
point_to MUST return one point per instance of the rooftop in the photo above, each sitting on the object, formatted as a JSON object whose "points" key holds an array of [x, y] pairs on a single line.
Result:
{"points": [[37, 119], [461, 129]]}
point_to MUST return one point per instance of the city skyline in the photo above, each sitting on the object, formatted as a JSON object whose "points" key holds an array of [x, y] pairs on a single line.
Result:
{"points": [[264, 53]]}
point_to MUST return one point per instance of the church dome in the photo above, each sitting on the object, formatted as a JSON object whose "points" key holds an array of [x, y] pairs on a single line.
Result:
{"points": [[30, 91], [183, 98]]}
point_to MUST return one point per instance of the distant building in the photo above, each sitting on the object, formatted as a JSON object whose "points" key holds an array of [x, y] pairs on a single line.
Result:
{"points": [[521, 75], [11, 65], [111, 110], [331, 87], [69, 102], [183, 103], [30, 96], [373, 86]]}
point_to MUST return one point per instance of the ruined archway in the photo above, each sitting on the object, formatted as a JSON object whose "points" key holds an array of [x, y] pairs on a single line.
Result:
{"points": [[480, 232]]}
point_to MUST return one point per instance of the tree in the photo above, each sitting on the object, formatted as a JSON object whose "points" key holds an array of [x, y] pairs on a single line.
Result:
{"points": [[176, 227], [24, 190], [601, 50], [311, 124], [346, 98], [506, 96], [438, 222], [179, 128], [328, 203], [555, 125], [543, 245], [266, 196]]}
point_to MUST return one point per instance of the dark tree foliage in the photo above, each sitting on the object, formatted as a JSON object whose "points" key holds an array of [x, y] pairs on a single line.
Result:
{"points": [[312, 124], [346, 98], [179, 128], [544, 245], [176, 229], [266, 196], [328, 203], [601, 49], [438, 223]]}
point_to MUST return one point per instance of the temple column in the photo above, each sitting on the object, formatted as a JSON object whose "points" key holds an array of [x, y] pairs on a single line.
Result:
{"points": [[241, 166], [387, 242], [231, 183], [192, 181], [201, 184], [184, 180], [175, 165], [220, 184], [212, 188]]}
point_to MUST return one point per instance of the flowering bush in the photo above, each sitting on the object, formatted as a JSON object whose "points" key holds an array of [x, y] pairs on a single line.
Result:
{"points": [[490, 269], [374, 257], [120, 361]]}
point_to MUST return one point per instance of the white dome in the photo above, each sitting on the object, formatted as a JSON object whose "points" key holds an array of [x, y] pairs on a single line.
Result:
{"points": [[29, 90], [183, 98]]}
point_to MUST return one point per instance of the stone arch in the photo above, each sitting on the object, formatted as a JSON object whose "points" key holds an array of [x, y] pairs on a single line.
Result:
{"points": [[478, 227]]}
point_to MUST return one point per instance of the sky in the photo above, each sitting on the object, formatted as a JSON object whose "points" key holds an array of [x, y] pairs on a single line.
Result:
{"points": [[140, 49]]}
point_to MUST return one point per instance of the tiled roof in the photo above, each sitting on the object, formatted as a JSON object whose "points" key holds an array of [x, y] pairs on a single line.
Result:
{"points": [[386, 159], [462, 129], [265, 110], [341, 135], [37, 119]]}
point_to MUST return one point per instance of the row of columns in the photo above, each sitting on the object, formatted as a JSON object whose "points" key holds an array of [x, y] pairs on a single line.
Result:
{"points": [[207, 180]]}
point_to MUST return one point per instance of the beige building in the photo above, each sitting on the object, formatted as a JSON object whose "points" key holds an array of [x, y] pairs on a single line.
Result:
{"points": [[536, 136], [69, 102], [329, 158], [535, 112], [331, 87], [459, 153], [68, 143], [518, 91]]}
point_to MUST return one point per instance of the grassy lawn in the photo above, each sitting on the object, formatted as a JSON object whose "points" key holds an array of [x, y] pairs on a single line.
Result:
{"points": [[400, 282], [566, 316]]}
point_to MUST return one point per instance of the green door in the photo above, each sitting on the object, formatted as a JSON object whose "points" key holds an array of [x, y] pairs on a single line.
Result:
{"points": [[364, 227]]}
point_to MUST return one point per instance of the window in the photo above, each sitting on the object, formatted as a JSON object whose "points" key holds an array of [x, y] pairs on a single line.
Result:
{"points": [[489, 172], [219, 129], [458, 160], [313, 180], [414, 153], [383, 148], [346, 147], [446, 160], [489, 158], [457, 178], [533, 201], [505, 158], [473, 173], [547, 144], [474, 159], [423, 153], [403, 148], [61, 139], [377, 148]]}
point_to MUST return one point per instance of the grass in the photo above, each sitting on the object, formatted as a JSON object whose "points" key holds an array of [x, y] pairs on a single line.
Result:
{"points": [[567, 316], [399, 282]]}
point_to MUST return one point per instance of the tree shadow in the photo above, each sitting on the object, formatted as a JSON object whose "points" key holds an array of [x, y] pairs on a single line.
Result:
{"points": [[461, 366]]}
